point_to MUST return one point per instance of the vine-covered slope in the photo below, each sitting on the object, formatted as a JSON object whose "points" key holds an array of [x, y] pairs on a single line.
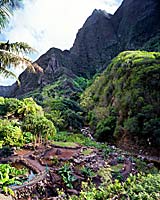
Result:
{"points": [[125, 99]]}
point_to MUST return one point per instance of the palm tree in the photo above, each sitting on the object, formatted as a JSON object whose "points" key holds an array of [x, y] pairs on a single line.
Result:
{"points": [[13, 54]]}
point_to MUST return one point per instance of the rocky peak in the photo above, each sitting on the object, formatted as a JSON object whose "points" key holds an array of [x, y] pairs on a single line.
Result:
{"points": [[94, 39], [98, 14], [136, 22], [135, 25], [55, 63]]}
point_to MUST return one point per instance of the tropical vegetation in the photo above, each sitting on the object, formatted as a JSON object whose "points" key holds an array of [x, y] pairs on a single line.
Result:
{"points": [[124, 100], [13, 54], [10, 176], [22, 121]]}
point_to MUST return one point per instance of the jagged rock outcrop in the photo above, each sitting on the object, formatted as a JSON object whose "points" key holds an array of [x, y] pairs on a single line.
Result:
{"points": [[135, 25], [54, 63], [6, 91]]}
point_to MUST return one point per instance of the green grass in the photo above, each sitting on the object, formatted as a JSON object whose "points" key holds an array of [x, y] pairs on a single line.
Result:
{"points": [[65, 144], [117, 168], [87, 152], [77, 138]]}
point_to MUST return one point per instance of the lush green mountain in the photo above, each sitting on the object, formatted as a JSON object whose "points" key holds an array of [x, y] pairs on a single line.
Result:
{"points": [[125, 99], [135, 25], [66, 73]]}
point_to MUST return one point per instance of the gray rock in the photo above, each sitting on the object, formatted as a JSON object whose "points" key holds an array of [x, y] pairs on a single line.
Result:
{"points": [[150, 165], [58, 152]]}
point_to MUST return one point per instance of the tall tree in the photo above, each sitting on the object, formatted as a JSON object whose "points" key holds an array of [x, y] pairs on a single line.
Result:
{"points": [[13, 54]]}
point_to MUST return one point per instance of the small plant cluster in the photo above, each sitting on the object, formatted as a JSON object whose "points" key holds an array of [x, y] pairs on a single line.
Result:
{"points": [[87, 172], [65, 136], [9, 176], [67, 175]]}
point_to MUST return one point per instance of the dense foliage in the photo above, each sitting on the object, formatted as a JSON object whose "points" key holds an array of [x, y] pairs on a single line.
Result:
{"points": [[125, 99], [136, 187], [22, 121], [60, 101]]}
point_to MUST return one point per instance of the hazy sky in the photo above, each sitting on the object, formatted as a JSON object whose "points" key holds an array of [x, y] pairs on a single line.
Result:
{"points": [[51, 23]]}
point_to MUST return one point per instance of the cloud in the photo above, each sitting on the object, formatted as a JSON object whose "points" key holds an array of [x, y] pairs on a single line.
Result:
{"points": [[53, 23]]}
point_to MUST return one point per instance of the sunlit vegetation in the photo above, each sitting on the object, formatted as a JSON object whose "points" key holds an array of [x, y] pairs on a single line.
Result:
{"points": [[23, 121], [65, 144], [122, 101], [60, 101], [136, 187], [10, 176], [125, 98]]}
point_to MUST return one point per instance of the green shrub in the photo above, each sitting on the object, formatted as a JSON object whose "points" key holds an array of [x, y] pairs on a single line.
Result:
{"points": [[10, 134], [39, 126], [105, 128], [9, 176], [28, 137], [67, 176], [56, 117], [141, 187]]}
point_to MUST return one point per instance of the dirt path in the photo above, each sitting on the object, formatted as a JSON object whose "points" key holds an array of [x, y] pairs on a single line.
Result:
{"points": [[34, 165]]}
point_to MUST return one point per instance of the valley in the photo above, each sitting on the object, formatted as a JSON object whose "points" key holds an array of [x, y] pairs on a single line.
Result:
{"points": [[84, 124]]}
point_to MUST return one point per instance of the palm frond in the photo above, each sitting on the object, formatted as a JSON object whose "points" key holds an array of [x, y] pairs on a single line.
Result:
{"points": [[5, 13], [12, 54], [7, 73], [9, 59], [4, 2], [11, 3], [17, 47]]}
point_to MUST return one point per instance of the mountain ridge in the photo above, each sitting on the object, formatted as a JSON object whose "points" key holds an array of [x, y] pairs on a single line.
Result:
{"points": [[133, 26]]}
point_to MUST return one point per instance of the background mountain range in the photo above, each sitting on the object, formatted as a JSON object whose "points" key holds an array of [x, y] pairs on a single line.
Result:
{"points": [[135, 25], [119, 98]]}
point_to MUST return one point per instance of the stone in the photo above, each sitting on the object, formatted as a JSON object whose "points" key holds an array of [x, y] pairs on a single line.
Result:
{"points": [[77, 161], [113, 162], [51, 157], [150, 165], [32, 156], [72, 191], [58, 152]]}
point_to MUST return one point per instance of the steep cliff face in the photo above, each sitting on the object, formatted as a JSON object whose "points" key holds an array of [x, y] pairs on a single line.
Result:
{"points": [[136, 22], [135, 25], [6, 91], [96, 41]]}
